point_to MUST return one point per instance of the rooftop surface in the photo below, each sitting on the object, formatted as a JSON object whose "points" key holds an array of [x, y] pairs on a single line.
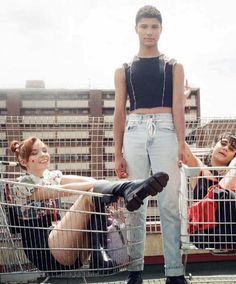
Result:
{"points": [[210, 272]]}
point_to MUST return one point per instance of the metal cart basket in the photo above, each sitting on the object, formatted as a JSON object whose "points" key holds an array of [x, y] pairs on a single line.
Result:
{"points": [[22, 248], [208, 218]]}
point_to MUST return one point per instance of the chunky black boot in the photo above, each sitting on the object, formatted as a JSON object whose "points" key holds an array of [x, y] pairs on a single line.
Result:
{"points": [[135, 277], [134, 192], [176, 280], [99, 257]]}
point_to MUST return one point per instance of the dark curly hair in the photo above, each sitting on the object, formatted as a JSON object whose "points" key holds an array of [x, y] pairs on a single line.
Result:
{"points": [[227, 135]]}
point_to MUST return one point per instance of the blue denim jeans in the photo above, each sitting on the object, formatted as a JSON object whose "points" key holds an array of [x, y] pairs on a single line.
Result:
{"points": [[150, 145]]}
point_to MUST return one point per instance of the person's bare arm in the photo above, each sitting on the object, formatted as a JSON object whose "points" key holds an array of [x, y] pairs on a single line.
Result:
{"points": [[72, 182], [190, 159], [74, 178], [119, 122], [42, 193], [229, 180], [178, 109]]}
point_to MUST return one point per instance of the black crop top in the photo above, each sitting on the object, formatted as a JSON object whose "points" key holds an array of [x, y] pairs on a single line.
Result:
{"points": [[149, 82]]}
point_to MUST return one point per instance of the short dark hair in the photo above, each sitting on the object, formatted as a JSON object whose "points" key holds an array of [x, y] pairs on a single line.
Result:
{"points": [[228, 135], [148, 11]]}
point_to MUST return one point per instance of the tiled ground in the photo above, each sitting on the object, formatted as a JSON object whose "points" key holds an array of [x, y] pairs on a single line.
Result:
{"points": [[223, 279], [198, 273]]}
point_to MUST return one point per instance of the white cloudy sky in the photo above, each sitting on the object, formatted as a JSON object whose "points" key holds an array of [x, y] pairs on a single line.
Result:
{"points": [[79, 43]]}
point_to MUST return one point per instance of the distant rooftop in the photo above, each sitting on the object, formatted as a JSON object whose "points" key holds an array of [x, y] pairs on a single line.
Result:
{"points": [[34, 84]]}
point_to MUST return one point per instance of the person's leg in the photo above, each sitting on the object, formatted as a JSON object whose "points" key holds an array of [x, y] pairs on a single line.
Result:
{"points": [[100, 259], [67, 236], [34, 239], [35, 242], [138, 168], [163, 154]]}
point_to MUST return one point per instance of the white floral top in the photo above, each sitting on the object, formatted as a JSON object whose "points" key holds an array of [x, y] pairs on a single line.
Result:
{"points": [[21, 194]]}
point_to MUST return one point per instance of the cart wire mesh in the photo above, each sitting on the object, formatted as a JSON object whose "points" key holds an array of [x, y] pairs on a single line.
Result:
{"points": [[208, 211], [25, 244], [86, 147]]}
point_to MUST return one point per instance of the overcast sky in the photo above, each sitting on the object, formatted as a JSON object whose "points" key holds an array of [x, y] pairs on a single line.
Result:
{"points": [[79, 43]]}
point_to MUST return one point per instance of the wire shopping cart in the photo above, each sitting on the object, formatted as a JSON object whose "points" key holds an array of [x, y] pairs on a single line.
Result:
{"points": [[209, 219], [77, 147], [22, 242]]}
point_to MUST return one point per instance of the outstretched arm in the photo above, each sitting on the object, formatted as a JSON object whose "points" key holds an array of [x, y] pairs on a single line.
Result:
{"points": [[42, 193], [190, 159], [73, 178]]}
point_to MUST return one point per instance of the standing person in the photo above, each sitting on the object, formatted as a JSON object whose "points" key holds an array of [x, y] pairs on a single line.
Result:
{"points": [[153, 138]]}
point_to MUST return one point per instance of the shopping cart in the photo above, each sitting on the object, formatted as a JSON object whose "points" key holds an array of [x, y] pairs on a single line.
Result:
{"points": [[23, 253], [82, 146], [209, 219], [207, 224]]}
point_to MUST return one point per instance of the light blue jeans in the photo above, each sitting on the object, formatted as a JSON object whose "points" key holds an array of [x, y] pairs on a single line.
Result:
{"points": [[150, 145]]}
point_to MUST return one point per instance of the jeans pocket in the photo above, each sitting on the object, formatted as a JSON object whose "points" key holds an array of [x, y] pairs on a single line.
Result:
{"points": [[131, 126]]}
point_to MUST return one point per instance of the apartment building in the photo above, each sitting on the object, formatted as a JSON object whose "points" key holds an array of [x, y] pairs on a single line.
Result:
{"points": [[76, 123]]}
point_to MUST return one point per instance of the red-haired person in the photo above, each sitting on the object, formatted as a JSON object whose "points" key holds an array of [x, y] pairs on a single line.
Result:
{"points": [[51, 248]]}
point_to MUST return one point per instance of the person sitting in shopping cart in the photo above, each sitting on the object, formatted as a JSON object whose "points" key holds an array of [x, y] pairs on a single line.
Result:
{"points": [[223, 154], [212, 210], [57, 247]]}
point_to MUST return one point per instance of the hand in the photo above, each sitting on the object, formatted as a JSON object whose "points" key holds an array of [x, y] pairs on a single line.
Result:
{"points": [[121, 167]]}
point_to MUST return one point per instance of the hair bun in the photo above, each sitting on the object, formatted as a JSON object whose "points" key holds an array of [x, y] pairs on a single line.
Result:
{"points": [[14, 146]]}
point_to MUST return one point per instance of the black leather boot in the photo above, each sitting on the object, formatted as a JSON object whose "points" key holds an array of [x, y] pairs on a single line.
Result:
{"points": [[176, 280], [135, 277], [133, 192], [99, 258]]}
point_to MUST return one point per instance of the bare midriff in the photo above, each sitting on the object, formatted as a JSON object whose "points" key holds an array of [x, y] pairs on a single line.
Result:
{"points": [[154, 110]]}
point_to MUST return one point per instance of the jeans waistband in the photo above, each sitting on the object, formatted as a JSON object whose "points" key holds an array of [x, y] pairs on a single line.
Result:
{"points": [[155, 117], [151, 120]]}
